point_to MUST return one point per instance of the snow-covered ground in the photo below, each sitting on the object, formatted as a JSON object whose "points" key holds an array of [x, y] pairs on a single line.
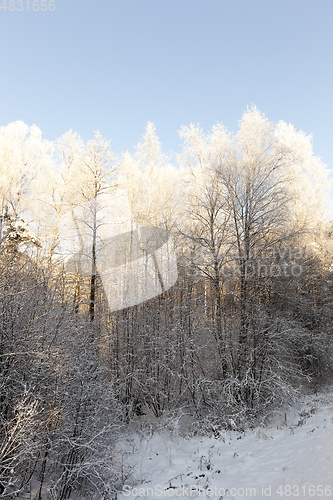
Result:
{"points": [[290, 457]]}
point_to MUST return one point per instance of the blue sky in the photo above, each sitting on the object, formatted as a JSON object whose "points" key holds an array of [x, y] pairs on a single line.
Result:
{"points": [[114, 65]]}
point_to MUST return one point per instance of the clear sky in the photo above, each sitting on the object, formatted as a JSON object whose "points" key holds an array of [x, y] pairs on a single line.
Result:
{"points": [[113, 65]]}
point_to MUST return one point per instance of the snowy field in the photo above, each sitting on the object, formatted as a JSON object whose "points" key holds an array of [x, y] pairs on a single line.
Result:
{"points": [[290, 457]]}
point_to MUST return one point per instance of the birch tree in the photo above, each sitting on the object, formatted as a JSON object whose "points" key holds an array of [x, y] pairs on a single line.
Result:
{"points": [[206, 220], [97, 183]]}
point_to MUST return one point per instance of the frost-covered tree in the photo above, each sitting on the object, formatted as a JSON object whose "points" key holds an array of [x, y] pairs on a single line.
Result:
{"points": [[247, 206], [152, 183], [97, 183], [62, 190], [206, 220], [24, 157]]}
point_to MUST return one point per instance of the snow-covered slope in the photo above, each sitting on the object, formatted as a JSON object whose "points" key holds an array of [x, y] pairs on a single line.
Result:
{"points": [[291, 457]]}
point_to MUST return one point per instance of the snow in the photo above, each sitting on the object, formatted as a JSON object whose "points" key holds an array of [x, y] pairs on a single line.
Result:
{"points": [[290, 457]]}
